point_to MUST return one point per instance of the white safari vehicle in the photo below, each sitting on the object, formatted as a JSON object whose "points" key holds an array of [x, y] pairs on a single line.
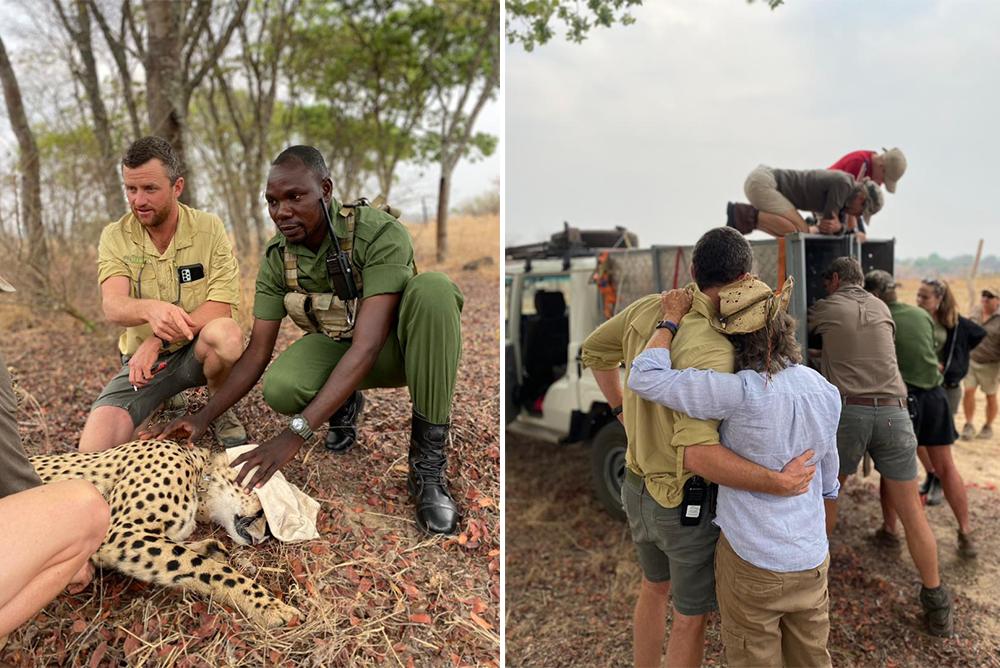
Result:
{"points": [[558, 292]]}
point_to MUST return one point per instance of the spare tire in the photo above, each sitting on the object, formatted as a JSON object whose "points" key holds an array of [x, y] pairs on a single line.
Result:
{"points": [[607, 467]]}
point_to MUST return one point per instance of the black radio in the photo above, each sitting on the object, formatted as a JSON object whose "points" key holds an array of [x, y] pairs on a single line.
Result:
{"points": [[338, 264]]}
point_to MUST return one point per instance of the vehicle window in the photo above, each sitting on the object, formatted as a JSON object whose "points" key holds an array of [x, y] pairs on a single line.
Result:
{"points": [[538, 283]]}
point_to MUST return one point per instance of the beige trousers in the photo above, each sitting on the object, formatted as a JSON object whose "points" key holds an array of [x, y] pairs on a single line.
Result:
{"points": [[761, 190], [768, 618]]}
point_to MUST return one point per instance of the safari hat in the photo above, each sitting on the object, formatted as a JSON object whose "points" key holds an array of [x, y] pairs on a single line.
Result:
{"points": [[895, 166], [991, 292], [749, 304], [874, 199]]}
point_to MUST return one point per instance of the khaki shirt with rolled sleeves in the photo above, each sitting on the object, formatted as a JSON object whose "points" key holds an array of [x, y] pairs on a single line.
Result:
{"points": [[383, 252], [200, 240], [859, 350], [657, 435], [988, 350]]}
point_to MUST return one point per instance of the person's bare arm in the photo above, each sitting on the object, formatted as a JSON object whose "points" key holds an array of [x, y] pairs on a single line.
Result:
{"points": [[725, 467], [376, 316], [610, 383], [243, 376], [169, 322]]}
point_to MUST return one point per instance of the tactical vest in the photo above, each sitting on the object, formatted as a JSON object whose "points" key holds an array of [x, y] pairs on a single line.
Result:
{"points": [[323, 312]]}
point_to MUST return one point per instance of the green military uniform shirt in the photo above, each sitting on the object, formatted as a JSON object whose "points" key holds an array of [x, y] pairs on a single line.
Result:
{"points": [[657, 435], [383, 251], [915, 352], [200, 240]]}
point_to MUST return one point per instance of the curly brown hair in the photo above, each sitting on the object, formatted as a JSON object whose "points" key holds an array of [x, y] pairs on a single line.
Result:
{"points": [[770, 349]]}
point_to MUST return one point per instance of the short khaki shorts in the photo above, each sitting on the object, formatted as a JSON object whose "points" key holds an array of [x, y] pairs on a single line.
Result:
{"points": [[761, 190], [886, 432], [684, 555], [183, 370], [986, 376]]}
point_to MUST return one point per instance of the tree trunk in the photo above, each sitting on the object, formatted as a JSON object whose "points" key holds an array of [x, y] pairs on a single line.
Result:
{"points": [[444, 192], [31, 182], [165, 100], [79, 31]]}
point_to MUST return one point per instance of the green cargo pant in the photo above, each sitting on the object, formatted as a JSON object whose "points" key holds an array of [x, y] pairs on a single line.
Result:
{"points": [[421, 353]]}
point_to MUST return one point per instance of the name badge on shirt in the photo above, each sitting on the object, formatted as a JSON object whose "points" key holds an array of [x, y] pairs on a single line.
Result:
{"points": [[190, 273]]}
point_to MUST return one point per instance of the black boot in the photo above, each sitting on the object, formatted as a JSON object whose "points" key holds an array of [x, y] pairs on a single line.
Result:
{"points": [[741, 216], [343, 424], [436, 510]]}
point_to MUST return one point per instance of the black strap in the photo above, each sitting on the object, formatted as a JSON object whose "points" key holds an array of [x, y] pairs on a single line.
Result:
{"points": [[954, 340]]}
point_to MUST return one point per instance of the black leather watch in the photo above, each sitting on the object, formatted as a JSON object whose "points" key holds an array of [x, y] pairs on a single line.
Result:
{"points": [[667, 324], [300, 427]]}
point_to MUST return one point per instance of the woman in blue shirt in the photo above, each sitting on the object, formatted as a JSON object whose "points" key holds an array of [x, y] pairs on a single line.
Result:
{"points": [[772, 558]]}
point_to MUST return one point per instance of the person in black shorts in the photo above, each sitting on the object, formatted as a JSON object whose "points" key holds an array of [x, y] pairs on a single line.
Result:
{"points": [[928, 402]]}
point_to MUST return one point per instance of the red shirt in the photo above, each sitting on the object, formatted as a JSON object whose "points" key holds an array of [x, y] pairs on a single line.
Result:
{"points": [[853, 163]]}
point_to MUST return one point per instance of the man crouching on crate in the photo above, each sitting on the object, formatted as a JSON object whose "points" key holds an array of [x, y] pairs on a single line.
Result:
{"points": [[371, 321], [671, 457]]}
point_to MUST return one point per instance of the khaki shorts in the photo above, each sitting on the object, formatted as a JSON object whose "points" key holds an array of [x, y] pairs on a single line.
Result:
{"points": [[683, 555], [772, 619], [885, 432], [761, 190], [986, 376], [183, 370]]}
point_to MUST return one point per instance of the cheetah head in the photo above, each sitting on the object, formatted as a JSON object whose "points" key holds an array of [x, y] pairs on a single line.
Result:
{"points": [[228, 504]]}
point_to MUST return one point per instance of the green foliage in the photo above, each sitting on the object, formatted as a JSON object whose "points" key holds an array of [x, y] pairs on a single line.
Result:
{"points": [[529, 22]]}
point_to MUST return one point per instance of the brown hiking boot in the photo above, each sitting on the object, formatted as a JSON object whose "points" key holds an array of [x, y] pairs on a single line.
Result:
{"points": [[228, 430], [937, 611], [741, 216], [966, 546]]}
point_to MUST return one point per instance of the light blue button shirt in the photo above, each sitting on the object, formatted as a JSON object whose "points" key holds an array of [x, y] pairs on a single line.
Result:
{"points": [[768, 421]]}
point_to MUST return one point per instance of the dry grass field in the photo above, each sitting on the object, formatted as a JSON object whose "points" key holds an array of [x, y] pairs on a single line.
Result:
{"points": [[572, 575], [374, 590]]}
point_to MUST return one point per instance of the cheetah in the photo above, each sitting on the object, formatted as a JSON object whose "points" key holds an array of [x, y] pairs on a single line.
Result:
{"points": [[158, 491]]}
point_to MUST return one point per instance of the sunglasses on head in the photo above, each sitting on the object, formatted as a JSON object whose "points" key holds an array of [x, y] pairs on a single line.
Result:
{"points": [[988, 295]]}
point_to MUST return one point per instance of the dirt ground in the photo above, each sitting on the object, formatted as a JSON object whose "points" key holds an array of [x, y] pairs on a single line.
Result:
{"points": [[572, 576], [374, 589]]}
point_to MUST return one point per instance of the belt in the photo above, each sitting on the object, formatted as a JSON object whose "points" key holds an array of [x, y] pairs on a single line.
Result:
{"points": [[875, 401]]}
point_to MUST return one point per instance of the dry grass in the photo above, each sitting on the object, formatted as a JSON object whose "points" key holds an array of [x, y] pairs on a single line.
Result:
{"points": [[374, 590]]}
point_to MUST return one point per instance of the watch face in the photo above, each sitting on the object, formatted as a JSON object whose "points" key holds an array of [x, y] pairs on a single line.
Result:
{"points": [[298, 423]]}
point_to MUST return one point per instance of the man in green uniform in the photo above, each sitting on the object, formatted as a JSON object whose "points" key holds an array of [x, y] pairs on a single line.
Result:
{"points": [[402, 329], [168, 275]]}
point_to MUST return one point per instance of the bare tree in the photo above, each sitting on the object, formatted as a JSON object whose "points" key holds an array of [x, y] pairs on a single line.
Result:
{"points": [[78, 26], [31, 185]]}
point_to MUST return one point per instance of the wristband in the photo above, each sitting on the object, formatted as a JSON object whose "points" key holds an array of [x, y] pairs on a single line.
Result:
{"points": [[616, 411], [667, 324]]}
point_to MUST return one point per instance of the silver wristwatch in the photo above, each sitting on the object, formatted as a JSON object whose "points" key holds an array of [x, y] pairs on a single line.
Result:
{"points": [[299, 426]]}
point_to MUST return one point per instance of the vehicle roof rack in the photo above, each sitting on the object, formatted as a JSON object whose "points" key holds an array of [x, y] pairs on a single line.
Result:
{"points": [[574, 242]]}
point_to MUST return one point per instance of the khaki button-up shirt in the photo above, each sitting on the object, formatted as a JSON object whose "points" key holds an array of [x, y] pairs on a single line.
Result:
{"points": [[656, 434], [988, 351], [198, 266], [859, 350]]}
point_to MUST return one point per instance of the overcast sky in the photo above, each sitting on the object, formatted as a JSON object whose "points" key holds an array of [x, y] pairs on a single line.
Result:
{"points": [[656, 125]]}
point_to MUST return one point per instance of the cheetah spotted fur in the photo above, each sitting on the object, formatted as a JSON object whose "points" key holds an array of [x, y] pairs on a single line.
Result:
{"points": [[158, 491]]}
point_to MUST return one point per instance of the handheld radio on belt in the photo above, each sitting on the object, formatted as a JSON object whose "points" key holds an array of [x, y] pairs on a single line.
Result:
{"points": [[338, 264]]}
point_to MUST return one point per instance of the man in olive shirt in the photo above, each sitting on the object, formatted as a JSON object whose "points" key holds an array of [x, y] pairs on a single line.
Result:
{"points": [[403, 329], [984, 366], [859, 358], [932, 422], [666, 448]]}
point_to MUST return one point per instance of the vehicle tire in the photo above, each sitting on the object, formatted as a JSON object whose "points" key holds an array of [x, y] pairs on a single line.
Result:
{"points": [[607, 467]]}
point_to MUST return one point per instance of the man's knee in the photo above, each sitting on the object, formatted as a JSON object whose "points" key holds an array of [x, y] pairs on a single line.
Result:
{"points": [[688, 623], [429, 289], [93, 513], [223, 338], [106, 427], [281, 392], [658, 589]]}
